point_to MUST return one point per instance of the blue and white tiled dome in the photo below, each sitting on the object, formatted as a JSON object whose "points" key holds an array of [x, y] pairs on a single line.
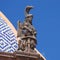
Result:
{"points": [[8, 41]]}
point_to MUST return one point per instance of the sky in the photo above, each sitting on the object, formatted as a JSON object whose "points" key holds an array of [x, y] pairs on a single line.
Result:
{"points": [[46, 21]]}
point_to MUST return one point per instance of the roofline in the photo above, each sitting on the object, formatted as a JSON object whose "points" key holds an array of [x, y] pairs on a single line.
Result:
{"points": [[8, 22], [40, 54]]}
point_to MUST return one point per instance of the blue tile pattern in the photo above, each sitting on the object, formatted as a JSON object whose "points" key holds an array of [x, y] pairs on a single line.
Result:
{"points": [[8, 41]]}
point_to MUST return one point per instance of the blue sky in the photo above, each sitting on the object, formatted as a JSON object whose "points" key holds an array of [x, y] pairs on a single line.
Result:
{"points": [[46, 21]]}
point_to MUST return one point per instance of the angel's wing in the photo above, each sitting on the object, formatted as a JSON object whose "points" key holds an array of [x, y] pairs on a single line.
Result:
{"points": [[8, 42]]}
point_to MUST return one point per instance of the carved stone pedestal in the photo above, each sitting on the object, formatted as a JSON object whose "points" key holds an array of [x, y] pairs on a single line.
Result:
{"points": [[27, 56], [20, 56], [7, 56]]}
